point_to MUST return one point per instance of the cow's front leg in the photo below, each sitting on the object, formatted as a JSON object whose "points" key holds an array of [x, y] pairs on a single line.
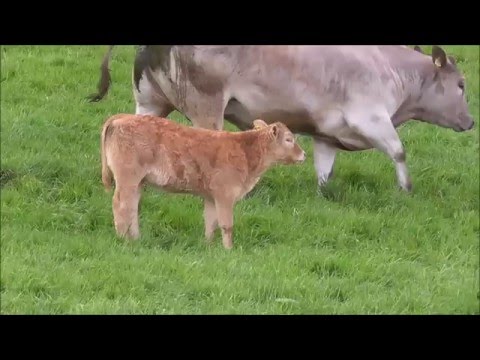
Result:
{"points": [[324, 158], [377, 128]]}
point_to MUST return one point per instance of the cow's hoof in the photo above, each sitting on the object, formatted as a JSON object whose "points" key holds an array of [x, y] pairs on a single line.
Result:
{"points": [[406, 189], [321, 191]]}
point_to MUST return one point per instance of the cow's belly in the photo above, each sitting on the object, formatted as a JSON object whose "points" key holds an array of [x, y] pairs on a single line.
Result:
{"points": [[352, 142], [332, 127], [258, 100], [253, 102], [298, 119]]}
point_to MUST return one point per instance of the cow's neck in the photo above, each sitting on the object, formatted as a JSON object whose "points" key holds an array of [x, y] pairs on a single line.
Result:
{"points": [[415, 76]]}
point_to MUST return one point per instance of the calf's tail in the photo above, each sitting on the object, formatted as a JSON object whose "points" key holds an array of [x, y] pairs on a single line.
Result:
{"points": [[107, 176], [105, 79]]}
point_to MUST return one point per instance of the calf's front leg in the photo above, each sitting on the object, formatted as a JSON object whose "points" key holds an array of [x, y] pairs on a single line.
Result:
{"points": [[224, 207], [210, 218]]}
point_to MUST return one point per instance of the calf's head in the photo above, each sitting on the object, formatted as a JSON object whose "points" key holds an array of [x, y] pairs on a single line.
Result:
{"points": [[443, 98], [282, 145]]}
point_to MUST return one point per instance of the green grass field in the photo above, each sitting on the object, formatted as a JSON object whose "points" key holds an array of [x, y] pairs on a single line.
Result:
{"points": [[363, 247]]}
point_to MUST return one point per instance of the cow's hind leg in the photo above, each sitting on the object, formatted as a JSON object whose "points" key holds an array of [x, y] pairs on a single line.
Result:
{"points": [[377, 128], [209, 121], [125, 210], [150, 100], [324, 158], [206, 112], [157, 109]]}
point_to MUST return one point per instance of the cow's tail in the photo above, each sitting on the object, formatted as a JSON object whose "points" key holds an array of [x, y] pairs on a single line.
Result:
{"points": [[105, 79], [107, 176]]}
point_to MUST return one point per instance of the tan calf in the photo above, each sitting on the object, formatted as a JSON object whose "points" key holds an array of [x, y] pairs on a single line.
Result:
{"points": [[220, 166]]}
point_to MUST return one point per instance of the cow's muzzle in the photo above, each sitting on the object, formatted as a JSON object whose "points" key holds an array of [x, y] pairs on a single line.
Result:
{"points": [[465, 125]]}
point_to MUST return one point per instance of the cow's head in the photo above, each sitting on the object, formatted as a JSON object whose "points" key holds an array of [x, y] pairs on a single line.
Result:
{"points": [[283, 147], [443, 99]]}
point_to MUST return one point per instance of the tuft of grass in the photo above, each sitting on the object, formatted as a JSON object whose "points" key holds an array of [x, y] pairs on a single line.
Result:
{"points": [[359, 247]]}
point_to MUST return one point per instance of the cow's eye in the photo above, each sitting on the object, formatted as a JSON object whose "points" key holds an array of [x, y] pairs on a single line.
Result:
{"points": [[461, 85]]}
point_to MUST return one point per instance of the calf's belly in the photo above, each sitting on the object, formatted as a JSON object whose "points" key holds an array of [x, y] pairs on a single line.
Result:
{"points": [[174, 182]]}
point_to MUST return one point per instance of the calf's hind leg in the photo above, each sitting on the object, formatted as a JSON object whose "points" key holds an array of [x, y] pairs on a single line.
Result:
{"points": [[125, 211]]}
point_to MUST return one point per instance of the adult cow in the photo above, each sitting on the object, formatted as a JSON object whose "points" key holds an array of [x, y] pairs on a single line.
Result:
{"points": [[346, 97]]}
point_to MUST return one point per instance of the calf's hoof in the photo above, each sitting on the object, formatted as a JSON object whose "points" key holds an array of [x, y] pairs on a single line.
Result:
{"points": [[129, 237], [228, 246], [209, 242]]}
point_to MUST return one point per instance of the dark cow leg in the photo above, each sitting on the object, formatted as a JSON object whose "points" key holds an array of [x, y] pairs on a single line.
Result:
{"points": [[241, 124], [238, 115]]}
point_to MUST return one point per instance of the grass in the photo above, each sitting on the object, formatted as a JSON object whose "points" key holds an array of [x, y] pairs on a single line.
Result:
{"points": [[362, 248]]}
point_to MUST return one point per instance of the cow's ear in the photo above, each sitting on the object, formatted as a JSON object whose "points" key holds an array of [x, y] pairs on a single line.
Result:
{"points": [[452, 60], [259, 124], [418, 48], [439, 57]]}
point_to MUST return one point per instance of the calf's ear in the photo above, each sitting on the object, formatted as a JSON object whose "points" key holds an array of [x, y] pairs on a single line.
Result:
{"points": [[274, 130], [259, 124], [439, 57], [418, 48]]}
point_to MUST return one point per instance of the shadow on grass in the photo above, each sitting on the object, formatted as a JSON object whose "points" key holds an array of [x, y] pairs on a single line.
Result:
{"points": [[161, 240], [6, 175]]}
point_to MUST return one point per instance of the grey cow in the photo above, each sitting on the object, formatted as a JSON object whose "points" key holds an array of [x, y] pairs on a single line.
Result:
{"points": [[346, 97]]}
